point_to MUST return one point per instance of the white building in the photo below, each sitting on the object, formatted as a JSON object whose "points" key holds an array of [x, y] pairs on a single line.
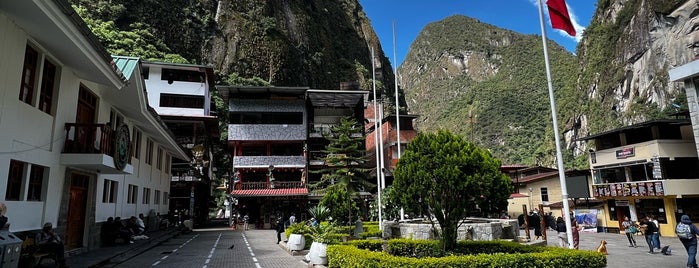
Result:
{"points": [[78, 142], [180, 94]]}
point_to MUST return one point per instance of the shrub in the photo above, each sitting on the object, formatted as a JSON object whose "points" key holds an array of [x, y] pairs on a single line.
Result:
{"points": [[302, 229], [366, 253]]}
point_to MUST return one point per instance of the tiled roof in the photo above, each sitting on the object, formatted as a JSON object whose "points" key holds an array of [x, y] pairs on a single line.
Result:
{"points": [[517, 195], [270, 192]]}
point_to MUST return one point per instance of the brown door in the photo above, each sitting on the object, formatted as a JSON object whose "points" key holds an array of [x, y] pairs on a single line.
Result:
{"points": [[77, 210], [86, 114], [621, 212]]}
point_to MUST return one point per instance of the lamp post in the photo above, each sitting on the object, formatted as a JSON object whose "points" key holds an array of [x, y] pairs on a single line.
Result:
{"points": [[531, 198]]}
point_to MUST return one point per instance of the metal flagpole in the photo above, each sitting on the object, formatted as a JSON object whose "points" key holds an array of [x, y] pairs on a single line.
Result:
{"points": [[381, 153], [395, 82], [559, 157], [376, 139], [395, 75]]}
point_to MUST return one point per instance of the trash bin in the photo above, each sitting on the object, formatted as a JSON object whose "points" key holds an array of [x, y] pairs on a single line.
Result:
{"points": [[11, 246]]}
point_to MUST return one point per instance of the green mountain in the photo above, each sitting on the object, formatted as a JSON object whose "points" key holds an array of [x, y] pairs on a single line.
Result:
{"points": [[488, 84]]}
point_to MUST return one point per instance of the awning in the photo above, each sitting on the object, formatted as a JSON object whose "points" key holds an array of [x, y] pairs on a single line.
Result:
{"points": [[270, 192]]}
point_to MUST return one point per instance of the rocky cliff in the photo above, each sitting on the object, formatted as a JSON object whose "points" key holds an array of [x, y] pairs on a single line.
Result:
{"points": [[619, 77]]}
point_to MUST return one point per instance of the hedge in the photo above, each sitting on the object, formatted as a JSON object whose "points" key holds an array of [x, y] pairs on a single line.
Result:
{"points": [[351, 255]]}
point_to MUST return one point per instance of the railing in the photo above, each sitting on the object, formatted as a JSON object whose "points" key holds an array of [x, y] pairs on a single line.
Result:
{"points": [[266, 185], [88, 139]]}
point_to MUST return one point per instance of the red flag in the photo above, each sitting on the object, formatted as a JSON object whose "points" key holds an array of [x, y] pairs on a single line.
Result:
{"points": [[559, 16]]}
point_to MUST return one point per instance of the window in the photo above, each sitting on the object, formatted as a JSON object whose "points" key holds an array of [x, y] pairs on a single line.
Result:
{"points": [[36, 182], [168, 163], [30, 77], [146, 196], [544, 194], [109, 191], [156, 197], [133, 194], [159, 159], [181, 101], [149, 151], [136, 143], [181, 75], [165, 198], [48, 83], [26, 92], [20, 183], [14, 180]]}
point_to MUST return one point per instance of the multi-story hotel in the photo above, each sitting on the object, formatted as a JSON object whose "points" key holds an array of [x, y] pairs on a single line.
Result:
{"points": [[647, 168], [275, 135], [79, 142], [181, 95]]}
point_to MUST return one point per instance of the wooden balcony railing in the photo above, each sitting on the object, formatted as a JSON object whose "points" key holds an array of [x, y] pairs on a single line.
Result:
{"points": [[88, 139], [266, 185]]}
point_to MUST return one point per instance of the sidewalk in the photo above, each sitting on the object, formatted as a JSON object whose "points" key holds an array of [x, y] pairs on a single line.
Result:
{"points": [[111, 255], [621, 255]]}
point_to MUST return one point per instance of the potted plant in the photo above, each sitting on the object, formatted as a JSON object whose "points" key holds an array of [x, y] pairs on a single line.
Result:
{"points": [[321, 234], [297, 236]]}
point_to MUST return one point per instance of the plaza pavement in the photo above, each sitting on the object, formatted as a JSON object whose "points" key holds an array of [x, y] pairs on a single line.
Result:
{"points": [[620, 254]]}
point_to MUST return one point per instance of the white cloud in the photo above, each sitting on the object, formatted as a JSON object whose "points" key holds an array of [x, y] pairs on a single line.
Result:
{"points": [[579, 29]]}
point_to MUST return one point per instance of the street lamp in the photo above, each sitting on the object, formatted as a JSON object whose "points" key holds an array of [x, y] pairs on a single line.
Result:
{"points": [[531, 199]]}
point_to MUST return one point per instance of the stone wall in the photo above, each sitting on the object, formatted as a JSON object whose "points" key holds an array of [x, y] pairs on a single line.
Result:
{"points": [[470, 229]]}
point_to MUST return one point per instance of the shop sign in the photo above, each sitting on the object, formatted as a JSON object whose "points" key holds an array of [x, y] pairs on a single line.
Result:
{"points": [[624, 189], [625, 153]]}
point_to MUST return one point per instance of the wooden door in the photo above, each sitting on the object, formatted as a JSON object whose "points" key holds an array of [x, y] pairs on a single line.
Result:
{"points": [[77, 205], [621, 212], [86, 113]]}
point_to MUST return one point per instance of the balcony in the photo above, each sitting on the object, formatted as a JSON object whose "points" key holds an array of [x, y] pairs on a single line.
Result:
{"points": [[642, 152], [91, 147], [277, 188]]}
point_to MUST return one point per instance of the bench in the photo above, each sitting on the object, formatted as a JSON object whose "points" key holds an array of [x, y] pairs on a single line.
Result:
{"points": [[31, 256]]}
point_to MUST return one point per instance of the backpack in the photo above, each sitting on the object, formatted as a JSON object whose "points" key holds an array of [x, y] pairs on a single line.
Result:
{"points": [[683, 231]]}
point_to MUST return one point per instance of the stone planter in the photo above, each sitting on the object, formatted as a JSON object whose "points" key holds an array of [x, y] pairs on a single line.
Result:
{"points": [[296, 242], [317, 254]]}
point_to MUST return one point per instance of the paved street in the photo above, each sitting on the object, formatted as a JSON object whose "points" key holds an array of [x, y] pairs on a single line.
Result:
{"points": [[210, 248], [257, 248]]}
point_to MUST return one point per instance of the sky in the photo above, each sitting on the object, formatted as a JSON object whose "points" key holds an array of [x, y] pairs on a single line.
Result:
{"points": [[521, 16]]}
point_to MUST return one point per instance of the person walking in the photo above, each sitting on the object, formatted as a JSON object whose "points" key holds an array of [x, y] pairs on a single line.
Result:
{"points": [[630, 230], [575, 228], [656, 234], [246, 221], [562, 234], [689, 243], [280, 229], [649, 228]]}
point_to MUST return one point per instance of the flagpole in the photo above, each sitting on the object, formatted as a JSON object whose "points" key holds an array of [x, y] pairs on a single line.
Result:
{"points": [[559, 156], [395, 75], [395, 82], [376, 139]]}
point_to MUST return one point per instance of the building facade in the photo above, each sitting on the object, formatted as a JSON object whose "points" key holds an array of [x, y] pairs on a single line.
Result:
{"points": [[181, 95], [275, 135], [647, 168], [78, 141]]}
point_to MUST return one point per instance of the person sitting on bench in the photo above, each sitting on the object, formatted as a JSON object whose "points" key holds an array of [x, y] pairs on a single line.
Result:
{"points": [[48, 241]]}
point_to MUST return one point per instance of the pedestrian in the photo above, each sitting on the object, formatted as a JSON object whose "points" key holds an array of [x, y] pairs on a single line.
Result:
{"points": [[689, 243], [575, 228], [246, 220], [279, 225], [562, 232], [292, 220], [536, 223], [650, 228], [3, 218], [656, 234], [630, 230]]}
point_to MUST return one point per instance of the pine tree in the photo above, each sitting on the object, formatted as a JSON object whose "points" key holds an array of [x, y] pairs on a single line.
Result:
{"points": [[345, 164]]}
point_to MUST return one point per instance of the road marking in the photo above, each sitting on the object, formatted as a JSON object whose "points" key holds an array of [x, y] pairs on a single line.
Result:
{"points": [[252, 254], [175, 250], [213, 248]]}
